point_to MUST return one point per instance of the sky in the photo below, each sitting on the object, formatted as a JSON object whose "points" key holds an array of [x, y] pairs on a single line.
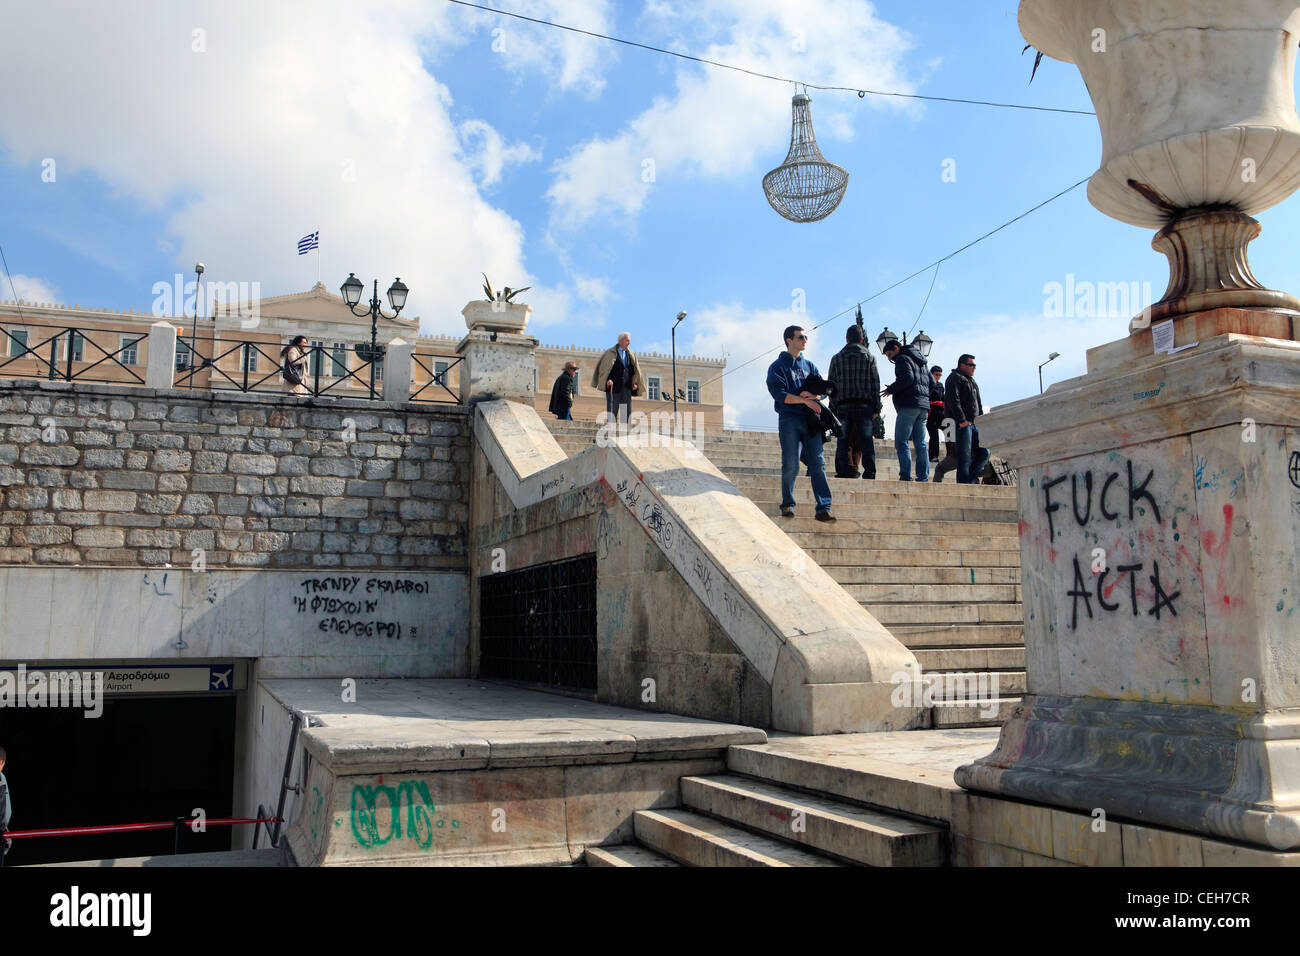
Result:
{"points": [[435, 142]]}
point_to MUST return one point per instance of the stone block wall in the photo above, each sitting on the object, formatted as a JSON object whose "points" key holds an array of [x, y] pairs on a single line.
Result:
{"points": [[124, 476]]}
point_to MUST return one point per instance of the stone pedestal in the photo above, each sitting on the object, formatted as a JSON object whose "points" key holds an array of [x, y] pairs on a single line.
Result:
{"points": [[1159, 501], [500, 361]]}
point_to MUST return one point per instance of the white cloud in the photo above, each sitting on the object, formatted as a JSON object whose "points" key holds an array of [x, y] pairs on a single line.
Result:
{"points": [[487, 154], [31, 290], [295, 116], [724, 124]]}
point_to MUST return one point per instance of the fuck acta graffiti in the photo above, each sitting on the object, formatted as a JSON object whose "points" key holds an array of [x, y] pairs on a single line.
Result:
{"points": [[1082, 485]]}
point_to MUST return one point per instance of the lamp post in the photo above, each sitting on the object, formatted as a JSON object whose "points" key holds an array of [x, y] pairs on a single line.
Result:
{"points": [[922, 342], [194, 334], [680, 317], [1052, 357], [352, 289]]}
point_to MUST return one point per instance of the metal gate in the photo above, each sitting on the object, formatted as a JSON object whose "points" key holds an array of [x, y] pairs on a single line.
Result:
{"points": [[538, 625]]}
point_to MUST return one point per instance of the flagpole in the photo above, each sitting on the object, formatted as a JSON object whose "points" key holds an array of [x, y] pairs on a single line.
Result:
{"points": [[318, 258]]}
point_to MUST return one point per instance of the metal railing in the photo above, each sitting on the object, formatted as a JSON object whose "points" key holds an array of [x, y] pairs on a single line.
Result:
{"points": [[314, 358], [72, 368], [435, 378]]}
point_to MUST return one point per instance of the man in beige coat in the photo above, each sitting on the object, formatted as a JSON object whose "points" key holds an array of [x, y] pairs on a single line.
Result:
{"points": [[619, 377]]}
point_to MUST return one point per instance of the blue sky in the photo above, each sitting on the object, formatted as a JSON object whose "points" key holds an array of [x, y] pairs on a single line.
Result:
{"points": [[421, 143]]}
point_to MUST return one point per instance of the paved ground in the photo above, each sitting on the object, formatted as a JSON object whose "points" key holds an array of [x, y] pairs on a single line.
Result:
{"points": [[466, 724]]}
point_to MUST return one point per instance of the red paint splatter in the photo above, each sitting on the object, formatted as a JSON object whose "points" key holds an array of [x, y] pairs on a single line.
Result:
{"points": [[1022, 526], [1051, 555], [1216, 546], [1226, 600]]}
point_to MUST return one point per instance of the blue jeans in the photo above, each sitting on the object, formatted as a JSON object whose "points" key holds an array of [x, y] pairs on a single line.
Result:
{"points": [[799, 443], [910, 424], [968, 443]]}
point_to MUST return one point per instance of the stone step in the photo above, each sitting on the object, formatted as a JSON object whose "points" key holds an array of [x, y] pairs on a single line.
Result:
{"points": [[942, 594], [984, 613], [959, 635], [970, 658], [953, 686], [768, 488], [992, 713], [630, 855], [885, 512], [923, 575], [863, 836], [825, 553], [828, 536], [697, 840], [902, 524]]}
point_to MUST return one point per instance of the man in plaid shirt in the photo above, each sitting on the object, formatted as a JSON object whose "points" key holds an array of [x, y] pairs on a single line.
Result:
{"points": [[856, 401]]}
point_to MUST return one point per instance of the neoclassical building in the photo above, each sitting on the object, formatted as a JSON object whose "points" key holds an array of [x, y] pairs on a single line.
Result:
{"points": [[238, 347]]}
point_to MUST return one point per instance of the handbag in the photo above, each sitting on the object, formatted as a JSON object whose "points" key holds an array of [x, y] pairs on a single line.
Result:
{"points": [[292, 375]]}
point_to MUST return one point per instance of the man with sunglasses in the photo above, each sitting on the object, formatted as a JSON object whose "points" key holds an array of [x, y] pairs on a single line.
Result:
{"points": [[962, 404], [799, 442]]}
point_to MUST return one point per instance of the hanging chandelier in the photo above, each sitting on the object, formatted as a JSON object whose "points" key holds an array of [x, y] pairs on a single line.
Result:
{"points": [[805, 188]]}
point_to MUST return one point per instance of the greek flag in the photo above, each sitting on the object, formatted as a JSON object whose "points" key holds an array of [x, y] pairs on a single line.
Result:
{"points": [[309, 242]]}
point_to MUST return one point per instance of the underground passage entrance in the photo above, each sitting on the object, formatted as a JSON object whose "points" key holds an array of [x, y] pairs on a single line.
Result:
{"points": [[146, 759]]}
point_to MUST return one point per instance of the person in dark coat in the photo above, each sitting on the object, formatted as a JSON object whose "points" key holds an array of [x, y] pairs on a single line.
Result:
{"points": [[911, 395], [935, 421], [856, 401], [563, 393], [963, 406], [6, 809]]}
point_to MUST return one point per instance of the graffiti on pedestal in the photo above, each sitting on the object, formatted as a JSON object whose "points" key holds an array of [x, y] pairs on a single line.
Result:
{"points": [[1113, 498]]}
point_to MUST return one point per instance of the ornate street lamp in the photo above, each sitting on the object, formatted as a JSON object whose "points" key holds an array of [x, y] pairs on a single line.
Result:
{"points": [[351, 290], [922, 342]]}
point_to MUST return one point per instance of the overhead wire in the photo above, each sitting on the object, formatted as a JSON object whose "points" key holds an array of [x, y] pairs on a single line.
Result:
{"points": [[933, 265], [862, 92]]}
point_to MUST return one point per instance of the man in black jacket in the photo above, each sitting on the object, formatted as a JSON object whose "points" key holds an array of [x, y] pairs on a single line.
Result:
{"points": [[856, 401], [911, 394], [563, 391], [962, 404]]}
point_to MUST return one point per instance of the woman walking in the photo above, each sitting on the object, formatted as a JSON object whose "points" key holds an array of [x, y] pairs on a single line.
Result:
{"points": [[293, 366]]}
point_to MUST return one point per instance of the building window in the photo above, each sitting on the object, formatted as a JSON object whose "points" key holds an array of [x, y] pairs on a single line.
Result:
{"points": [[17, 342], [250, 358], [652, 389], [317, 353], [182, 355], [128, 354], [439, 372], [339, 365], [78, 342], [693, 391], [379, 370]]}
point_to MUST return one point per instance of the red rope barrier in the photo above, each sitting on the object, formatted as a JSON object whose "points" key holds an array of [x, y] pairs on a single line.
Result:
{"points": [[131, 827]]}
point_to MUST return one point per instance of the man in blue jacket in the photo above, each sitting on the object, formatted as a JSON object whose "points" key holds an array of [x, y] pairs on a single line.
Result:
{"points": [[785, 378], [911, 394]]}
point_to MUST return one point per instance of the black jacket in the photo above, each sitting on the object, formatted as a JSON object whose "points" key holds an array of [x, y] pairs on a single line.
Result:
{"points": [[961, 401], [855, 377], [562, 393], [911, 377]]}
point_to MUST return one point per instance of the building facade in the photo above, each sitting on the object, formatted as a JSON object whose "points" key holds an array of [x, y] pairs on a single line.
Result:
{"points": [[238, 347]]}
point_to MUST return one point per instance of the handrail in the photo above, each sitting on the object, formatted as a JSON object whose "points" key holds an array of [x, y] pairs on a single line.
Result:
{"points": [[68, 374]]}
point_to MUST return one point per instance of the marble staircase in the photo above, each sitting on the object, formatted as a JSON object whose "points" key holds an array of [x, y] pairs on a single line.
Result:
{"points": [[937, 564]]}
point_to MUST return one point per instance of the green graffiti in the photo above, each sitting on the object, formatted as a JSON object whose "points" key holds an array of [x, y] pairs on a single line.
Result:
{"points": [[314, 813], [367, 802]]}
